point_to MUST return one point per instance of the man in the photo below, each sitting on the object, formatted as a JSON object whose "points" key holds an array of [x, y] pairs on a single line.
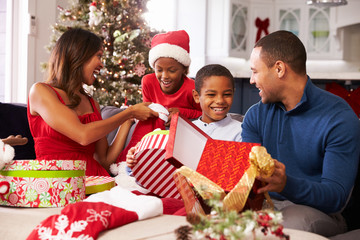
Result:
{"points": [[314, 135]]}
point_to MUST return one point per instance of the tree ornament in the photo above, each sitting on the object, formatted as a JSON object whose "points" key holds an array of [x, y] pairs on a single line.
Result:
{"points": [[95, 16], [140, 69], [129, 46], [119, 17]]}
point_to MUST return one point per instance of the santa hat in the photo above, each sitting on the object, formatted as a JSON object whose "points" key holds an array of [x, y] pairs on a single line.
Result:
{"points": [[173, 44]]}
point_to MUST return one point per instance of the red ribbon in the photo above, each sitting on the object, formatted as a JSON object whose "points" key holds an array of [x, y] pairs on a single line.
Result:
{"points": [[262, 25]]}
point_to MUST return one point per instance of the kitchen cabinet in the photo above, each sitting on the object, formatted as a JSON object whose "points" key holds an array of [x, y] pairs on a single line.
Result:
{"points": [[231, 28], [247, 95], [313, 25], [238, 28], [224, 32]]}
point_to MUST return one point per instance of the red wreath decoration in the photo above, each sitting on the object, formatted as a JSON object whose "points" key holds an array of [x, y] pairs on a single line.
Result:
{"points": [[262, 25]]}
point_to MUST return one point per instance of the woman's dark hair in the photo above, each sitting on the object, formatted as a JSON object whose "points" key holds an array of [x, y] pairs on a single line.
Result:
{"points": [[284, 46], [212, 70], [74, 48]]}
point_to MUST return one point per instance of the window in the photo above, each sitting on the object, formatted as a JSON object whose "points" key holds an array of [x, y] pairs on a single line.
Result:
{"points": [[2, 48], [161, 14]]}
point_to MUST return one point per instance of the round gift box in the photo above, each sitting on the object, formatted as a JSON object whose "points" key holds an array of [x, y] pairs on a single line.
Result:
{"points": [[44, 183], [96, 184]]}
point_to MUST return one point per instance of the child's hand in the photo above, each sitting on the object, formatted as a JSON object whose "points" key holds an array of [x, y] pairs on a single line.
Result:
{"points": [[171, 112], [142, 112], [130, 158], [129, 122]]}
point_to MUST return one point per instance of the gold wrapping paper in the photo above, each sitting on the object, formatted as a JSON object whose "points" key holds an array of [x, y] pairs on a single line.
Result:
{"points": [[191, 202], [204, 187], [236, 198]]}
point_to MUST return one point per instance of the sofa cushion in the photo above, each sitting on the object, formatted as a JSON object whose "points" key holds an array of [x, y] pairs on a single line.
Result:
{"points": [[109, 111], [13, 121]]}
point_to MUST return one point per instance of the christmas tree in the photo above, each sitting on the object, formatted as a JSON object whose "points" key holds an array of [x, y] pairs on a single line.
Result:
{"points": [[126, 38]]}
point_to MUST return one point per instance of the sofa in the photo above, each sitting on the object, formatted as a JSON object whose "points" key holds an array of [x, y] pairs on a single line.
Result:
{"points": [[13, 119]]}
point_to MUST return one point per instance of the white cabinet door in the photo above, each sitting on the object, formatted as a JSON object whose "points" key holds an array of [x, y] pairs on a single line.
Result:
{"points": [[217, 28], [231, 26], [239, 28], [313, 25], [227, 28]]}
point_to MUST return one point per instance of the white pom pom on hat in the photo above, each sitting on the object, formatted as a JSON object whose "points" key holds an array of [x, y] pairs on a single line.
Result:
{"points": [[173, 44]]}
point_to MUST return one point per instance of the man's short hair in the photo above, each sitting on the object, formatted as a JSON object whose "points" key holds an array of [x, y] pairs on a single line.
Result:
{"points": [[284, 46]]}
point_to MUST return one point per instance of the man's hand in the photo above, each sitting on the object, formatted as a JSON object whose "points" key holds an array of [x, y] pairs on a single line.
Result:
{"points": [[276, 182]]}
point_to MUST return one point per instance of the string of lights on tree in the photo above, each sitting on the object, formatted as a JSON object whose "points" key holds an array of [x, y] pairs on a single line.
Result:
{"points": [[127, 39]]}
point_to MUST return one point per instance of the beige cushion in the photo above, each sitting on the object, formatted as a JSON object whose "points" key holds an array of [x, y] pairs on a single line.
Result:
{"points": [[17, 224]]}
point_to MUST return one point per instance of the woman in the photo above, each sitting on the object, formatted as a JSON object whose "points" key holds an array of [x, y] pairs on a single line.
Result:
{"points": [[64, 120]]}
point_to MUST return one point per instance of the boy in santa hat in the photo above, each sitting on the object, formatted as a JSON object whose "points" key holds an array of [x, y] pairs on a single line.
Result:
{"points": [[169, 85]]}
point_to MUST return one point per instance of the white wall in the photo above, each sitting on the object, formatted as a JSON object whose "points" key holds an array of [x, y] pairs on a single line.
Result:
{"points": [[193, 21], [25, 50], [46, 13], [2, 48]]}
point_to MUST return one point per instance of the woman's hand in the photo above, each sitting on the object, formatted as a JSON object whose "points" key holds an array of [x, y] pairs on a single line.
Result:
{"points": [[142, 112], [130, 158]]}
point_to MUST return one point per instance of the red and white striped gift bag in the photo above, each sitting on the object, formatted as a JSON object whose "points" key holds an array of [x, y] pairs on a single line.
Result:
{"points": [[152, 171]]}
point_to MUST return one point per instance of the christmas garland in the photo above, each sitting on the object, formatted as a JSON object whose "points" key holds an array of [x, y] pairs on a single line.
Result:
{"points": [[229, 225]]}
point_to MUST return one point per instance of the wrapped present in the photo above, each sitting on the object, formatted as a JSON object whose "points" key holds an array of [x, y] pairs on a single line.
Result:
{"points": [[152, 171], [94, 184], [208, 167], [44, 183], [195, 187], [160, 153], [222, 162]]}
